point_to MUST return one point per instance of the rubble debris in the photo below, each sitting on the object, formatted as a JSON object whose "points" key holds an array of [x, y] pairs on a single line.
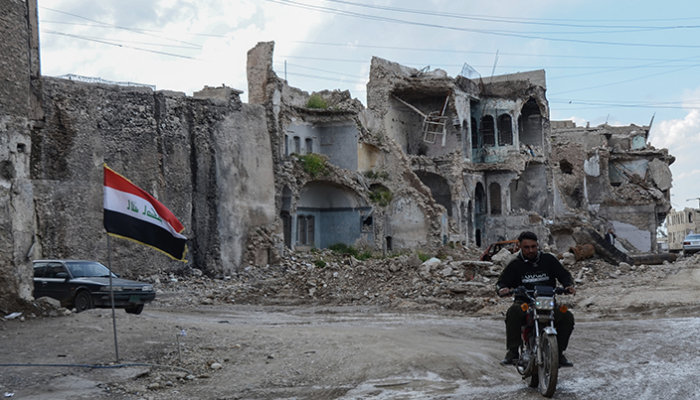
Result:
{"points": [[602, 248], [654, 259]]}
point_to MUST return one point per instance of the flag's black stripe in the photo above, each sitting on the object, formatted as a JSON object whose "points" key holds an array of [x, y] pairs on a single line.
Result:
{"points": [[144, 232]]}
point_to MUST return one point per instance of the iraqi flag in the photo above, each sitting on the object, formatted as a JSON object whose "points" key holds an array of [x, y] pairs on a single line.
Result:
{"points": [[131, 213]]}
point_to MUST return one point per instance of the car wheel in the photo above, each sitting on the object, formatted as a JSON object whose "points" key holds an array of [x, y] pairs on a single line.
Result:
{"points": [[83, 301], [134, 310]]}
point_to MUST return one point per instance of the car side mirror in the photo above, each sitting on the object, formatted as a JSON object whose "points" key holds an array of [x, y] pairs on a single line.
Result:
{"points": [[62, 275]]}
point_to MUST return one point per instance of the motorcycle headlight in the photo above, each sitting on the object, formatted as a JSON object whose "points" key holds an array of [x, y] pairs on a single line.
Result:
{"points": [[544, 303]]}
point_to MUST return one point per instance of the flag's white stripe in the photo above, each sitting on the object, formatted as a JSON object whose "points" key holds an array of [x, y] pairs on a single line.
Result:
{"points": [[137, 207]]}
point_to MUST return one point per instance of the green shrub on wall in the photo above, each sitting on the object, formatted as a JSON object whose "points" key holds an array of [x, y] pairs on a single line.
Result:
{"points": [[316, 101], [313, 164], [380, 195]]}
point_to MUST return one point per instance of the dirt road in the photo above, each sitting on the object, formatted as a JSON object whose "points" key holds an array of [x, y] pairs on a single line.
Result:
{"points": [[635, 337], [335, 354]]}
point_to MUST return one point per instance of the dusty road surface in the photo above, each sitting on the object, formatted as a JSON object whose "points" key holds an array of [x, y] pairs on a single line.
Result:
{"points": [[635, 337], [308, 353]]}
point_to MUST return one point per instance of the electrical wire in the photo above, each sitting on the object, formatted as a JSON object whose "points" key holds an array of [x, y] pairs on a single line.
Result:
{"points": [[281, 65], [533, 21], [352, 45], [122, 41], [305, 6], [439, 50], [626, 81], [117, 44], [120, 27]]}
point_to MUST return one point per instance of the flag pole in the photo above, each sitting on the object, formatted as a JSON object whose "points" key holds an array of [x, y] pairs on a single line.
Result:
{"points": [[111, 292]]}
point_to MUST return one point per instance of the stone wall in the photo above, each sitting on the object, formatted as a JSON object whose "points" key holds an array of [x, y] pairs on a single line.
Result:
{"points": [[207, 159], [20, 114]]}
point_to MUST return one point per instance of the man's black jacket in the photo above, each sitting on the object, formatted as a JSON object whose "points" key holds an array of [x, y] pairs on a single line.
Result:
{"points": [[545, 271]]}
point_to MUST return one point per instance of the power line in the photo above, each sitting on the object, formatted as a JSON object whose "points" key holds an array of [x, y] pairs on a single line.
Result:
{"points": [[652, 65], [97, 39], [513, 67], [619, 105], [120, 27], [326, 78], [102, 25], [436, 50], [481, 31], [485, 18], [627, 81], [118, 45], [324, 70]]}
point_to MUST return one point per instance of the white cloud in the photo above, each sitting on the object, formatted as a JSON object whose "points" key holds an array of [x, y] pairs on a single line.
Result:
{"points": [[682, 138], [240, 23], [677, 132]]}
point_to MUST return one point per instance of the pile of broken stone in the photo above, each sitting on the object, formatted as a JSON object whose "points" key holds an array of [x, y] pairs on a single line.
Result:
{"points": [[451, 281]]}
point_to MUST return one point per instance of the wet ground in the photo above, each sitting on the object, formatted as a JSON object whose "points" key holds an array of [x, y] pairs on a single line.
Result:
{"points": [[335, 353]]}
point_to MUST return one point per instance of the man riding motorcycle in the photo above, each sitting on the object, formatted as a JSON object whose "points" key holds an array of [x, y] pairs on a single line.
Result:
{"points": [[530, 268]]}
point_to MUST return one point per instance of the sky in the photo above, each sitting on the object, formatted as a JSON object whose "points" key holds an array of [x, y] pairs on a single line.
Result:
{"points": [[619, 62]]}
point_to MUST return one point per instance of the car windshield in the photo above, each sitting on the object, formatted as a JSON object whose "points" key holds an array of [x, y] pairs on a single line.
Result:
{"points": [[692, 237], [88, 269]]}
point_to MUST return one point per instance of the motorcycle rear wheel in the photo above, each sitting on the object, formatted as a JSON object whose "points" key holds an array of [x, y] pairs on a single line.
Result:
{"points": [[548, 371]]}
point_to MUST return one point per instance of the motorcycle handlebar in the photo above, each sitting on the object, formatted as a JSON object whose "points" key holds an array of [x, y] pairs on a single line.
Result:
{"points": [[521, 290]]}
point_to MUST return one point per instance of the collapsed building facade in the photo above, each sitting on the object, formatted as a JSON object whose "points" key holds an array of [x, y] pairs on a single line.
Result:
{"points": [[431, 160]]}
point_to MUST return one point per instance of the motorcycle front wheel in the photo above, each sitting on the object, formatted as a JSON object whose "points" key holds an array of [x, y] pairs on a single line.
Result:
{"points": [[548, 370]]}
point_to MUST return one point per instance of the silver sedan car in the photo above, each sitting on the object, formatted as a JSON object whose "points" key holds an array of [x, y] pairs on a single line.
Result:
{"points": [[691, 244]]}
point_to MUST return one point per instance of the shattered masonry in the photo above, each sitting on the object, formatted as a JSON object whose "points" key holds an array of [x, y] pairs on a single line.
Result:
{"points": [[431, 160]]}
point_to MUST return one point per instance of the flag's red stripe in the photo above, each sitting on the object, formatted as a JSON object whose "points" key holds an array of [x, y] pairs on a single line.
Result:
{"points": [[118, 182]]}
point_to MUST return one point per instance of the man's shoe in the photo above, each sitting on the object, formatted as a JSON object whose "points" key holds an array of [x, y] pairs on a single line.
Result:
{"points": [[563, 362], [510, 358]]}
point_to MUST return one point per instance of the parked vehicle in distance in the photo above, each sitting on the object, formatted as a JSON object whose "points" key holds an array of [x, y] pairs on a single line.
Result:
{"points": [[691, 244], [85, 284], [512, 245]]}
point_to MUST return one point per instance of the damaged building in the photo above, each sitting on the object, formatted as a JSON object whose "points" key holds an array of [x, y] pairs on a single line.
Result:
{"points": [[430, 160], [680, 224], [610, 177]]}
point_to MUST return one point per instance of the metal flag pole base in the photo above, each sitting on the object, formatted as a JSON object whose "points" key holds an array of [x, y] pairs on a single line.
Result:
{"points": [[111, 292]]}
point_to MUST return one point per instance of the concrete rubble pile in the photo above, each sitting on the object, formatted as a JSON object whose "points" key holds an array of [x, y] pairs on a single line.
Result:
{"points": [[453, 282]]}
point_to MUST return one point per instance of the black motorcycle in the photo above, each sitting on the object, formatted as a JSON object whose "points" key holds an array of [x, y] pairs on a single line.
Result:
{"points": [[539, 351]]}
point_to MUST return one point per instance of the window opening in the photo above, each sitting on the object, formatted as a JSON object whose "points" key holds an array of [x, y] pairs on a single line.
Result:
{"points": [[309, 145], [367, 224], [495, 197], [487, 132], [475, 134], [505, 130]]}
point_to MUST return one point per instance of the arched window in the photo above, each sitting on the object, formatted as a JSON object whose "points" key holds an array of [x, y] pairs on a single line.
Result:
{"points": [[505, 130], [479, 199], [530, 124], [495, 197], [487, 132]]}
